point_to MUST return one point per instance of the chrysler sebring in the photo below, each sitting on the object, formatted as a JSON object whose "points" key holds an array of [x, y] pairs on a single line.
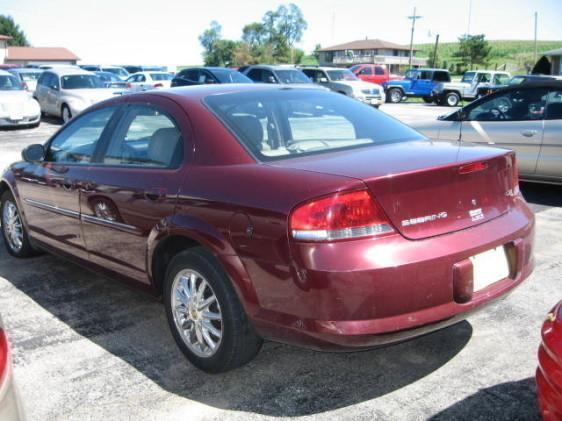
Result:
{"points": [[264, 211]]}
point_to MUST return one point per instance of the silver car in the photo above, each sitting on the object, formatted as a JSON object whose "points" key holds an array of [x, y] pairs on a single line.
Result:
{"points": [[526, 118], [343, 81], [27, 76], [10, 405], [66, 91]]}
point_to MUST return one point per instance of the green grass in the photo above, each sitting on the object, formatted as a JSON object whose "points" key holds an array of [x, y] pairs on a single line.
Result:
{"points": [[515, 54]]}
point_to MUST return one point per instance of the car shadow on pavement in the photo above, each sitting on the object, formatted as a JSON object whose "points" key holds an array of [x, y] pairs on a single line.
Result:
{"points": [[541, 196], [505, 401], [283, 381]]}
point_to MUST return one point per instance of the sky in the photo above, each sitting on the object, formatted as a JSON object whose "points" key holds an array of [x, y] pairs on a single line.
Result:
{"points": [[166, 33]]}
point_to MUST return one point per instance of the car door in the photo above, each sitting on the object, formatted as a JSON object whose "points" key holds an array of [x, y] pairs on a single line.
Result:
{"points": [[131, 188], [49, 190], [550, 157], [512, 120], [53, 93], [255, 75], [422, 85], [366, 74]]}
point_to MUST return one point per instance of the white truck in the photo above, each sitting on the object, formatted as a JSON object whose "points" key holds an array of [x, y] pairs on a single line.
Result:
{"points": [[451, 93]]}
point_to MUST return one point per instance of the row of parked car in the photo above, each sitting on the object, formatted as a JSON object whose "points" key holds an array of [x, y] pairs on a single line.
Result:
{"points": [[67, 90]]}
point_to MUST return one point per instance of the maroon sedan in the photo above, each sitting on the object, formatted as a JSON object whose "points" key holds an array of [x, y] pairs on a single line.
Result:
{"points": [[291, 214], [549, 373]]}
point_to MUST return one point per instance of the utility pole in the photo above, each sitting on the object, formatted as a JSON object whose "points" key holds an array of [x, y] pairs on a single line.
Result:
{"points": [[469, 16], [535, 56], [435, 50], [413, 17]]}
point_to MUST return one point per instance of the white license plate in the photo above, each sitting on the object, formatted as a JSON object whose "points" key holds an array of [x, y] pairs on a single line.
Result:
{"points": [[16, 117], [489, 267]]}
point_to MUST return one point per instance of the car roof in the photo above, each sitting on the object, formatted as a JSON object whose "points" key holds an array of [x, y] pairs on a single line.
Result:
{"points": [[429, 69], [323, 68], [26, 70], [534, 84], [272, 66], [70, 70]]}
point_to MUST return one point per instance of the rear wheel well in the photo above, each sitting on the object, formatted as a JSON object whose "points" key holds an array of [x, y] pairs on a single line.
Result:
{"points": [[164, 253]]}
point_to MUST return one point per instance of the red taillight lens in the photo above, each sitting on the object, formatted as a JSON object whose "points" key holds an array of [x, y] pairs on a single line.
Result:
{"points": [[338, 217], [158, 85], [474, 167], [128, 86], [514, 174], [3, 355]]}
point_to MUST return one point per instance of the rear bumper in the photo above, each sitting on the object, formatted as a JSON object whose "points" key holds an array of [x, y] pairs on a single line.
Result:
{"points": [[365, 293]]}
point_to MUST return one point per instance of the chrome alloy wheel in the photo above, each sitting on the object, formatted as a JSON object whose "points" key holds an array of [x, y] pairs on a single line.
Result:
{"points": [[11, 223], [197, 313]]}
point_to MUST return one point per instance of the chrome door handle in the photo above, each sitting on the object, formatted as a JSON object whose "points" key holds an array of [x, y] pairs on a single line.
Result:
{"points": [[529, 133]]}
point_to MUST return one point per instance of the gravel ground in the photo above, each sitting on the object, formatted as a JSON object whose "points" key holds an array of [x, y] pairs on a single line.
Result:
{"points": [[88, 348]]}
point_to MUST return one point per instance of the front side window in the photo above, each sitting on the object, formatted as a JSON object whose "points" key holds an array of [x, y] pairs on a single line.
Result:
{"points": [[76, 143], [517, 105], [412, 74], [468, 77], [145, 137], [366, 71], [425, 75], [379, 70], [228, 76], [292, 76], [284, 124], [484, 78], [255, 75], [161, 76], [81, 82]]}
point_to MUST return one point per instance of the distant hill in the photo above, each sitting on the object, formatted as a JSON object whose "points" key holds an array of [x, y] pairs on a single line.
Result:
{"points": [[515, 54]]}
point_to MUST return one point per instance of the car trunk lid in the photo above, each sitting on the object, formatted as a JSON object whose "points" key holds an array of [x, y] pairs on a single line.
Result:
{"points": [[427, 188]]}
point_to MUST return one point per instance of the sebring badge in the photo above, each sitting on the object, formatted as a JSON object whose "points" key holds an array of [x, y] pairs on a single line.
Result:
{"points": [[424, 219]]}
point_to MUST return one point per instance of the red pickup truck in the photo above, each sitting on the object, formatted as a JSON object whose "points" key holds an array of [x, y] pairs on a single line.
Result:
{"points": [[374, 73]]}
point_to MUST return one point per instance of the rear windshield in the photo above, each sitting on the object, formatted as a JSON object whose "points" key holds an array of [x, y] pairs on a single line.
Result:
{"points": [[228, 76], [10, 83], [161, 76], [281, 124], [292, 76], [81, 82], [29, 76]]}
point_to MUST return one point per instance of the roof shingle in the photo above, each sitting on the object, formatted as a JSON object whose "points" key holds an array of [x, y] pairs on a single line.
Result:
{"points": [[366, 44], [40, 53]]}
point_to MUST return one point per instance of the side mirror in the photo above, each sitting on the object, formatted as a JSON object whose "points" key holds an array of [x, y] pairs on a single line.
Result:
{"points": [[33, 153], [323, 80]]}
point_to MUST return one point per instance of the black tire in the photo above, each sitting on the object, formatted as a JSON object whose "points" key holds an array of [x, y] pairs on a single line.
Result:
{"points": [[394, 95], [451, 99], [26, 249], [239, 343], [65, 109], [427, 100]]}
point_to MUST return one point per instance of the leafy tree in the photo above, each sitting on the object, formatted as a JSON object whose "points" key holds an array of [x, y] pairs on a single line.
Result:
{"points": [[316, 52], [217, 51], [12, 29], [473, 49]]}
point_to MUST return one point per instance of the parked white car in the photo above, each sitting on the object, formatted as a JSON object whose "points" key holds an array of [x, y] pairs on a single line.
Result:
{"points": [[64, 92], [27, 76], [17, 106], [343, 81], [144, 81]]}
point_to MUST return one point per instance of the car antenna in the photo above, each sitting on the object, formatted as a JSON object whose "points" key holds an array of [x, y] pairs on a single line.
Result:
{"points": [[461, 121]]}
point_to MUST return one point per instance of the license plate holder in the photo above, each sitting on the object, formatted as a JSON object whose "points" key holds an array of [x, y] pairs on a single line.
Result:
{"points": [[489, 267]]}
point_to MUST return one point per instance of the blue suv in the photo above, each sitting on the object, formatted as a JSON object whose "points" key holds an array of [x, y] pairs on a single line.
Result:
{"points": [[416, 83]]}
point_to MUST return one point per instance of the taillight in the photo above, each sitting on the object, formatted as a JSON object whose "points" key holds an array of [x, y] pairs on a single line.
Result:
{"points": [[514, 174], [158, 85], [473, 167], [128, 86], [3, 355], [338, 217]]}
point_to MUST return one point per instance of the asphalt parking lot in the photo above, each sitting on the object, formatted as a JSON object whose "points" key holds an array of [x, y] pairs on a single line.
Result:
{"points": [[87, 348]]}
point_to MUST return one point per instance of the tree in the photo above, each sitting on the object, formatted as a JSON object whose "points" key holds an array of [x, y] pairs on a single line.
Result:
{"points": [[316, 52], [473, 49], [12, 29], [217, 51], [290, 25]]}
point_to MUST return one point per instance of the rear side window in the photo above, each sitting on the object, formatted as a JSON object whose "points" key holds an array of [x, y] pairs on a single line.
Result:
{"points": [[77, 142], [366, 71], [255, 75], [441, 77], [379, 70], [145, 137], [288, 123], [554, 107]]}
